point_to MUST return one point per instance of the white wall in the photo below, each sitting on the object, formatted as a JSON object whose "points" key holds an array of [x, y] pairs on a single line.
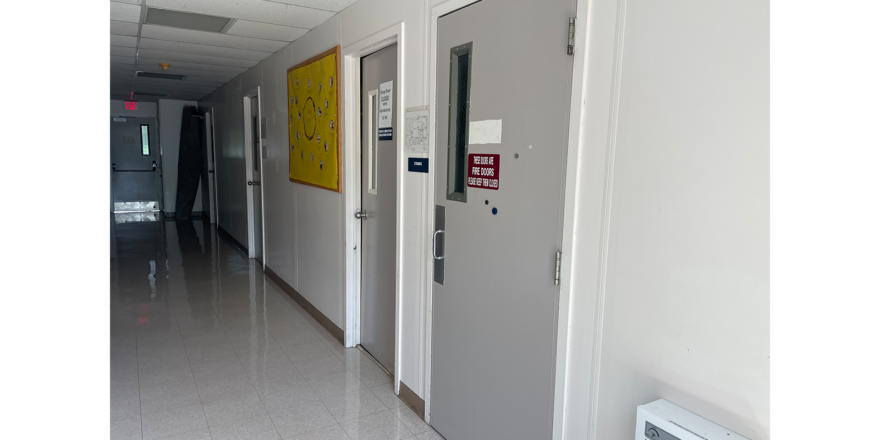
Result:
{"points": [[305, 225], [671, 271], [145, 109], [170, 117]]}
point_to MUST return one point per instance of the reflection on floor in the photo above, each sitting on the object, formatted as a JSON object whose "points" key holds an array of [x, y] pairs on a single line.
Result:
{"points": [[204, 346]]}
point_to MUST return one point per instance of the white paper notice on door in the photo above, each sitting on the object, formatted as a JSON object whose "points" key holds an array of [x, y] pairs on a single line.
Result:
{"points": [[416, 130], [386, 91], [485, 132]]}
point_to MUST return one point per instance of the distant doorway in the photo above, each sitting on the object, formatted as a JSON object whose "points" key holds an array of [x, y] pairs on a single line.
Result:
{"points": [[135, 165]]}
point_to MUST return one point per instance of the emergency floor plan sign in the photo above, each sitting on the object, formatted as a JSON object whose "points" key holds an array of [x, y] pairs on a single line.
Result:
{"points": [[483, 170]]}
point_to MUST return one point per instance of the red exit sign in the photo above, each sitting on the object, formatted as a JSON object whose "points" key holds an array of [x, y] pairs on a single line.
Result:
{"points": [[131, 105]]}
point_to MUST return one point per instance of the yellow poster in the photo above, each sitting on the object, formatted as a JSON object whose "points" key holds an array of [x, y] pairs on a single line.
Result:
{"points": [[313, 121]]}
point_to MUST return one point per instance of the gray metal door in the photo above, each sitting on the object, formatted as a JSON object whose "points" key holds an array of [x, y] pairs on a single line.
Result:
{"points": [[256, 159], [378, 202], [135, 166], [501, 188]]}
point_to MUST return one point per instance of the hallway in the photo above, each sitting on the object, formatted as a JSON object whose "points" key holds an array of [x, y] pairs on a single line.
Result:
{"points": [[204, 346]]}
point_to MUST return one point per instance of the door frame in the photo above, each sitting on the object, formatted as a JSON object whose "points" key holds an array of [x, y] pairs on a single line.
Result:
{"points": [[351, 74], [212, 166], [249, 175]]}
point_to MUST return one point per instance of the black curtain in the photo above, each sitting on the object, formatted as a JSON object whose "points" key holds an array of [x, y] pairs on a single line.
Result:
{"points": [[189, 164]]}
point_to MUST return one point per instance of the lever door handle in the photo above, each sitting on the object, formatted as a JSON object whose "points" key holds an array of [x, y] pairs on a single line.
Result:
{"points": [[255, 183], [361, 215]]}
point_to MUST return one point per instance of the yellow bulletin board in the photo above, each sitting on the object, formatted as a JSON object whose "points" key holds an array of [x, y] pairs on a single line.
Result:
{"points": [[313, 127]]}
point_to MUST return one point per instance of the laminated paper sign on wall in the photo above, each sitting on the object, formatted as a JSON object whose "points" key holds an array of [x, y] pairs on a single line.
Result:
{"points": [[313, 121]]}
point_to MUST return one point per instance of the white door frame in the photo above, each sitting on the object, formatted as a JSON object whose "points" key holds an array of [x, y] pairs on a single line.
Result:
{"points": [[248, 159], [351, 66]]}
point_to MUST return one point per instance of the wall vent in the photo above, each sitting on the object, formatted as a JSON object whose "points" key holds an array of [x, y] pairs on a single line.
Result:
{"points": [[143, 74]]}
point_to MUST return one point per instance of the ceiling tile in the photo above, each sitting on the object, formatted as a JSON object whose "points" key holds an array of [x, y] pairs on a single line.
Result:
{"points": [[142, 60], [133, 2], [123, 51], [210, 38], [125, 12], [170, 57], [267, 31], [202, 49], [123, 28], [254, 10], [122, 40], [327, 5], [121, 59]]}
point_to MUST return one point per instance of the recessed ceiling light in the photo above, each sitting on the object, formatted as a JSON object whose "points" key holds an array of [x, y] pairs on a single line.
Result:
{"points": [[187, 20], [143, 74]]}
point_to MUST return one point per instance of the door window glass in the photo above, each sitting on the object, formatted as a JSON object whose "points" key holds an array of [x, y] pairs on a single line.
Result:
{"points": [[145, 140], [459, 109]]}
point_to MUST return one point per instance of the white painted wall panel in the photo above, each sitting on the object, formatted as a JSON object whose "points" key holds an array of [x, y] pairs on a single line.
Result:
{"points": [[686, 304]]}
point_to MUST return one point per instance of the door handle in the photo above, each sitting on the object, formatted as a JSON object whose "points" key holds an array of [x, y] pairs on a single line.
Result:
{"points": [[154, 165], [434, 245], [360, 215], [114, 167], [255, 183]]}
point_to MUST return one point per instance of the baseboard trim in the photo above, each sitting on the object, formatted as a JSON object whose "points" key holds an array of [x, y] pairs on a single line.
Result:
{"points": [[325, 322], [227, 236], [412, 400]]}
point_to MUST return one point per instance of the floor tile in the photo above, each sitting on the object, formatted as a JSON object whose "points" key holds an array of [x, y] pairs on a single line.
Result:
{"points": [[125, 402], [175, 375], [213, 389], [226, 366], [199, 434], [176, 421], [323, 366], [306, 352], [410, 419], [234, 407], [354, 405], [167, 397], [262, 360], [379, 426], [385, 393], [301, 419], [334, 432], [126, 429], [335, 384], [275, 377], [278, 398], [256, 428], [430, 435]]}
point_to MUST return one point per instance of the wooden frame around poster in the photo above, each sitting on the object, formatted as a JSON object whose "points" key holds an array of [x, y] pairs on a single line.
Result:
{"points": [[334, 51]]}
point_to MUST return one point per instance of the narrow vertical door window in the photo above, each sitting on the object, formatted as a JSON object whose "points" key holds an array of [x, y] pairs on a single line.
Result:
{"points": [[373, 141], [145, 140], [459, 109]]}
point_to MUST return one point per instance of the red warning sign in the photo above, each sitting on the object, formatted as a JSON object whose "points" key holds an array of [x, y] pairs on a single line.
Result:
{"points": [[483, 170]]}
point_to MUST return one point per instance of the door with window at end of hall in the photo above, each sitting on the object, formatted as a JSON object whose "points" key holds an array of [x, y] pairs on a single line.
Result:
{"points": [[503, 94], [378, 203], [136, 182]]}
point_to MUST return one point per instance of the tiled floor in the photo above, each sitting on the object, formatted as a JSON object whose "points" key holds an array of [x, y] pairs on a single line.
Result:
{"points": [[204, 346]]}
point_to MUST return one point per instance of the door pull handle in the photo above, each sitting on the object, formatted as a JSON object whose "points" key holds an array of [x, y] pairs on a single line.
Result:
{"points": [[434, 245]]}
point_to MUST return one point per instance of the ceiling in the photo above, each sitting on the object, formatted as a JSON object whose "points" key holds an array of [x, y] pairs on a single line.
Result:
{"points": [[209, 59]]}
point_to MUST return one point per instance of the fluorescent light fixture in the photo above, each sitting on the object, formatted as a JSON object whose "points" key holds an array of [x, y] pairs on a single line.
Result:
{"points": [[143, 74], [187, 20]]}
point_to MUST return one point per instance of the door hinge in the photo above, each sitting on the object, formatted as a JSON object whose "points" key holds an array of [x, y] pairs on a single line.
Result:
{"points": [[571, 35], [558, 268]]}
